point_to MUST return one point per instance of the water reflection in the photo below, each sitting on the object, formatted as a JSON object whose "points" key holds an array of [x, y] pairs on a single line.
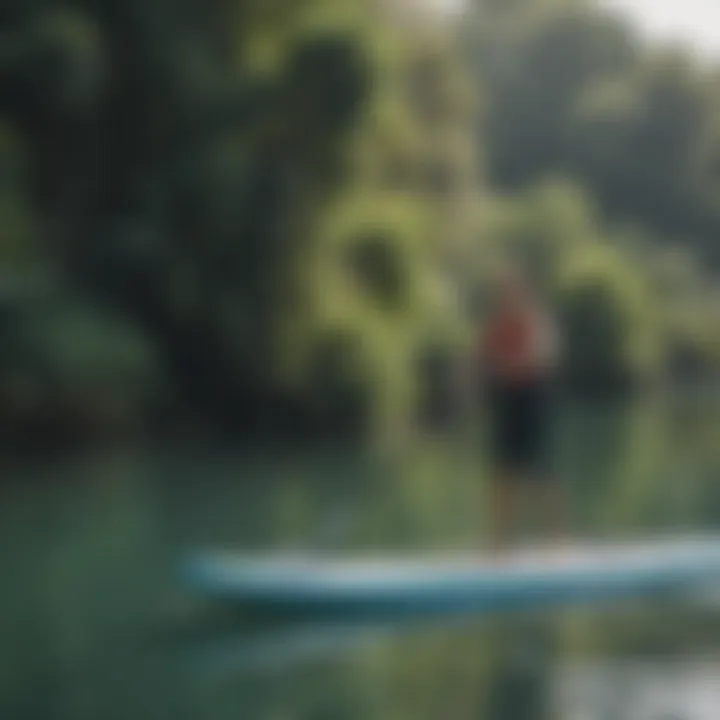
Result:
{"points": [[682, 689], [93, 624]]}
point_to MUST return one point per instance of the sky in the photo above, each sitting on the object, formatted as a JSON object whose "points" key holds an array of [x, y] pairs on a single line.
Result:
{"points": [[694, 21]]}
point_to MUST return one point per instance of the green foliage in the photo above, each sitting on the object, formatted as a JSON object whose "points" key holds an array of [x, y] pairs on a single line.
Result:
{"points": [[597, 330], [572, 91], [543, 227], [87, 350], [17, 232], [281, 199], [379, 270], [67, 369], [608, 311], [247, 186]]}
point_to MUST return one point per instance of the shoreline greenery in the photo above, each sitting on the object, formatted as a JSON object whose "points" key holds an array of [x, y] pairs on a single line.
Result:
{"points": [[277, 217]]}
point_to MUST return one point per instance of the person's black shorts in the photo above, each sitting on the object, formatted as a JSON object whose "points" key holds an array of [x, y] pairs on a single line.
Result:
{"points": [[521, 421]]}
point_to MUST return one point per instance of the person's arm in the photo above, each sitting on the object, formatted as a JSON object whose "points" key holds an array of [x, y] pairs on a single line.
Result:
{"points": [[549, 347]]}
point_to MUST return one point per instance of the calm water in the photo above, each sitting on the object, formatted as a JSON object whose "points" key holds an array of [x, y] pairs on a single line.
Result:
{"points": [[93, 626]]}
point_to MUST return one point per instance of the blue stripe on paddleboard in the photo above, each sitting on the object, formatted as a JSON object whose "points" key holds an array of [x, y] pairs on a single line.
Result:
{"points": [[405, 585]]}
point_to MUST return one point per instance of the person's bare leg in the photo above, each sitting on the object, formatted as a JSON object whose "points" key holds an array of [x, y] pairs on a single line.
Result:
{"points": [[552, 503]]}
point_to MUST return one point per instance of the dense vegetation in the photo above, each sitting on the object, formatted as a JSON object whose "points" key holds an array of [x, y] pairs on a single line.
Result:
{"points": [[633, 134], [270, 216]]}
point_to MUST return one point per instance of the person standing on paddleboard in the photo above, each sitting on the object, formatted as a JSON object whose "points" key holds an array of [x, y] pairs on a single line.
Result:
{"points": [[520, 351]]}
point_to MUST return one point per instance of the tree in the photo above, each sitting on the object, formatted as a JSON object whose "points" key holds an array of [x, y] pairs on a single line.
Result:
{"points": [[185, 164], [572, 91]]}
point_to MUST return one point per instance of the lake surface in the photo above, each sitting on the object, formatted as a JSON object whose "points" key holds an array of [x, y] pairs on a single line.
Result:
{"points": [[93, 624]]}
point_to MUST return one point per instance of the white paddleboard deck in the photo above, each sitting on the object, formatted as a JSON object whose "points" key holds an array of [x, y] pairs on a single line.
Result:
{"points": [[422, 583]]}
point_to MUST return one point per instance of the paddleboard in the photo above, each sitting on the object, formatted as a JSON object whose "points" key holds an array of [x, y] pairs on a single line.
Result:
{"points": [[355, 586]]}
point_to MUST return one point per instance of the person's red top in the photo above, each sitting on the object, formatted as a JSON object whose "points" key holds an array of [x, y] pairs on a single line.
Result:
{"points": [[510, 347]]}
